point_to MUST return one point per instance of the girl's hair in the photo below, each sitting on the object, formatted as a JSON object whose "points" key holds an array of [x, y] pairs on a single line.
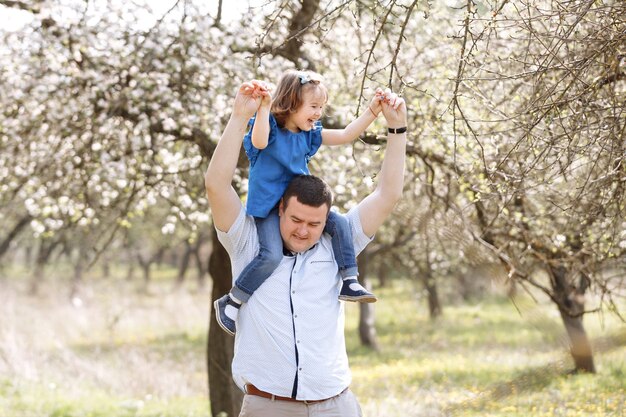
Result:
{"points": [[291, 87]]}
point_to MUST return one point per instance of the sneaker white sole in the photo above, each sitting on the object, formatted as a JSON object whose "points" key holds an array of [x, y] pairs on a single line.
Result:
{"points": [[217, 318], [359, 298]]}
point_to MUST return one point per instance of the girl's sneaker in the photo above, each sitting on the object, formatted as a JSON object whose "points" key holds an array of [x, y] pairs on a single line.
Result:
{"points": [[226, 311], [351, 290]]}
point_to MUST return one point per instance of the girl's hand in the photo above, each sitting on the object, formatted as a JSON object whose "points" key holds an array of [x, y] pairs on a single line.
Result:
{"points": [[261, 94], [375, 105], [262, 90]]}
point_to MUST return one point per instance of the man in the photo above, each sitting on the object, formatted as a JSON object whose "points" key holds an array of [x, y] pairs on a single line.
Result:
{"points": [[290, 355]]}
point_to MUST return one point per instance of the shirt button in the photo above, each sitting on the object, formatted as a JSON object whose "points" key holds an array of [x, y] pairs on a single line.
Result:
{"points": [[299, 369], [293, 292]]}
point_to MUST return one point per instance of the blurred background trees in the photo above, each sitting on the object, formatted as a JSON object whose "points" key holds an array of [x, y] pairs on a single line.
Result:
{"points": [[516, 165]]}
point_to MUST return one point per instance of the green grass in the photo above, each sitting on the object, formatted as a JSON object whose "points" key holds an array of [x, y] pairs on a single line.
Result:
{"points": [[120, 353], [39, 400], [483, 359]]}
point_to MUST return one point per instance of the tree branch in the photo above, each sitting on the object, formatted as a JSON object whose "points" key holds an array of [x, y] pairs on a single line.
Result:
{"points": [[32, 6]]}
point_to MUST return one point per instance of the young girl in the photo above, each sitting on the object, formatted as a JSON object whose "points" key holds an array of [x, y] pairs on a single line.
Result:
{"points": [[285, 134]]}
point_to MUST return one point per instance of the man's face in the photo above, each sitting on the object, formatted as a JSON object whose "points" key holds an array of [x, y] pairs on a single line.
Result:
{"points": [[300, 225]]}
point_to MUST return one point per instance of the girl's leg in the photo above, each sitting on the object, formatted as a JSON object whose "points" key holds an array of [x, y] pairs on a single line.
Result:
{"points": [[262, 266], [338, 228], [254, 274]]}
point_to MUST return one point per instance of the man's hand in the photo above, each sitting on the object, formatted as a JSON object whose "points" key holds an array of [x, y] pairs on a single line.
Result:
{"points": [[394, 109], [250, 97]]}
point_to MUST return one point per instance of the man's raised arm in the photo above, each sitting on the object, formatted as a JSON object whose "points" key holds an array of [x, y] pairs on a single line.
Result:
{"points": [[223, 199], [377, 206]]}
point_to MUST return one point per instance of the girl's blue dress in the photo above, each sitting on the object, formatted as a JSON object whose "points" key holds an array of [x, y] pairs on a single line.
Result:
{"points": [[271, 169]]}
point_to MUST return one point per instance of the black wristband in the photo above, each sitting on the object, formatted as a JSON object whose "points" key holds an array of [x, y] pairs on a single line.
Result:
{"points": [[398, 130]]}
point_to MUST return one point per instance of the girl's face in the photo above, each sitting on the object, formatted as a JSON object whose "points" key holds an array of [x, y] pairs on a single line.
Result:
{"points": [[309, 112]]}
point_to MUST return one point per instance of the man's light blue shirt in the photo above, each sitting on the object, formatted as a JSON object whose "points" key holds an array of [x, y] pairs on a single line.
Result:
{"points": [[295, 310]]}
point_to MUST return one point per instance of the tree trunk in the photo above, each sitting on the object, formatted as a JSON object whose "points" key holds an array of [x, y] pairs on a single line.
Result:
{"points": [[106, 267], [37, 277], [224, 395], [79, 268], [383, 274], [201, 266], [28, 255], [434, 305], [145, 267], [183, 266], [5, 244], [218, 19], [146, 276], [367, 316], [292, 47], [201, 269], [464, 287], [570, 300], [45, 250], [160, 255], [130, 272], [580, 346]]}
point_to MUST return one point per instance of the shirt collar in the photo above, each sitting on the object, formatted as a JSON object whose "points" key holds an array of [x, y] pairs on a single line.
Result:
{"points": [[287, 252]]}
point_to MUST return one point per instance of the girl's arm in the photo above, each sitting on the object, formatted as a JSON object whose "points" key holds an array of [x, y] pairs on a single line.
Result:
{"points": [[261, 128], [356, 127]]}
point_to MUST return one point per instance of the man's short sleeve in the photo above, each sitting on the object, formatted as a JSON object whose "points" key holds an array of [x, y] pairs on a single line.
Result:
{"points": [[240, 240], [359, 238]]}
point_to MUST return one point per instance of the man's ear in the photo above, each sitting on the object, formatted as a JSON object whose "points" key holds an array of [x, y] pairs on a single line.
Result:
{"points": [[281, 207]]}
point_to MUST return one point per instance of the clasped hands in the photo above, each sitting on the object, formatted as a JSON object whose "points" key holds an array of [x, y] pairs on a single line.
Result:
{"points": [[255, 93]]}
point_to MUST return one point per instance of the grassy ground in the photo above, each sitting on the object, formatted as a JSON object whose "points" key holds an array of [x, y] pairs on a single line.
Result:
{"points": [[488, 358], [118, 353]]}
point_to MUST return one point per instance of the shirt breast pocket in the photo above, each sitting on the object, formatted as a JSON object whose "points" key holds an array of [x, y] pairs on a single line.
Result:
{"points": [[322, 281], [323, 268], [321, 261]]}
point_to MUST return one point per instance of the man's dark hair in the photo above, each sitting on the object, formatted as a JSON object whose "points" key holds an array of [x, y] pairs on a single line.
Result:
{"points": [[309, 190]]}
